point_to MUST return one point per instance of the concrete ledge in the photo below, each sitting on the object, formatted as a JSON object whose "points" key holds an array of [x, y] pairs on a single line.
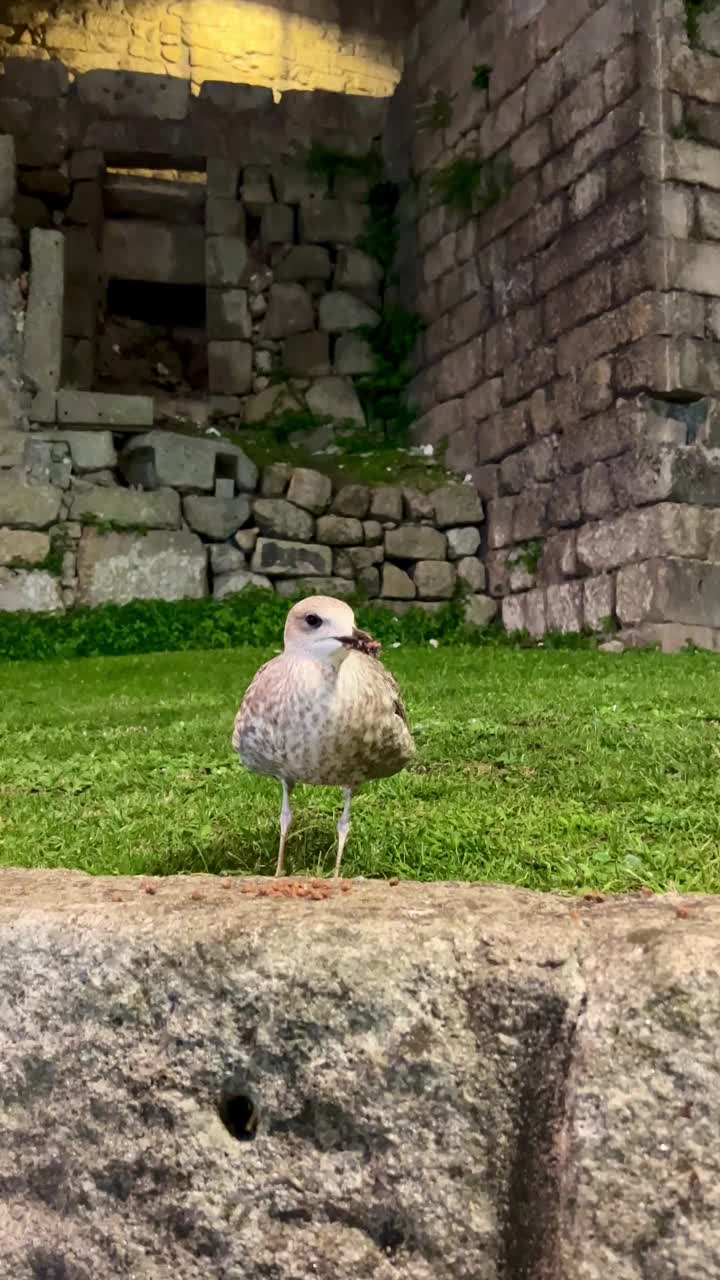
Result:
{"points": [[207, 1077]]}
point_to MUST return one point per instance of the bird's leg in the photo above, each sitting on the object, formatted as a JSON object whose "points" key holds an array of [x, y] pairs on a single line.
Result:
{"points": [[285, 820], [343, 827]]}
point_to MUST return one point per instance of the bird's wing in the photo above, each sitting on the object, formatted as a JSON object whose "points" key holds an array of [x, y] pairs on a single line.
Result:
{"points": [[391, 685]]}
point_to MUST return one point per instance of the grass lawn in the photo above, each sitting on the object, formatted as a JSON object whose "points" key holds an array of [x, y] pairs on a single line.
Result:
{"points": [[558, 769]]}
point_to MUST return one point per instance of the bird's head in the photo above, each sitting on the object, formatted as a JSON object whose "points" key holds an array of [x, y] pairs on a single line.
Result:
{"points": [[324, 629]]}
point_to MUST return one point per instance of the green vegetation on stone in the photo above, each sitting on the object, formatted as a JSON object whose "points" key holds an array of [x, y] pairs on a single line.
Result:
{"points": [[468, 185], [552, 769], [436, 114], [694, 9], [481, 76]]}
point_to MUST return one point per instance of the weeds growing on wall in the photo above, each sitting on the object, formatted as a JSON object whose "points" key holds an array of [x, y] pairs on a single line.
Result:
{"points": [[324, 162], [694, 9], [481, 76], [436, 114], [255, 617], [528, 557], [468, 185]]}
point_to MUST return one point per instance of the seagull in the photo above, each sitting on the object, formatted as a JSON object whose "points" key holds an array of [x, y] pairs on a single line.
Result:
{"points": [[324, 712]]}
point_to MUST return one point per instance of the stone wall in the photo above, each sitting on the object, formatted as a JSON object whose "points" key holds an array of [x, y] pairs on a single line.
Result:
{"points": [[341, 45], [89, 517], [570, 322]]}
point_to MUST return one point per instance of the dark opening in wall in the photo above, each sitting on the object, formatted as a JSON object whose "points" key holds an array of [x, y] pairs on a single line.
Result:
{"points": [[152, 337]]}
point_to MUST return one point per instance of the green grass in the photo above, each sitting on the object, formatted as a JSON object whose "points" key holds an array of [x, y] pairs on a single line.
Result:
{"points": [[555, 769]]}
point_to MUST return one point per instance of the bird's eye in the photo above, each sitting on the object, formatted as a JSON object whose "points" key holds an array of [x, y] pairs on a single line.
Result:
{"points": [[313, 620]]}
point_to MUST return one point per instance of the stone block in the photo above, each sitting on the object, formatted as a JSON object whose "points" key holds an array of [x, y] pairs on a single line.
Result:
{"points": [[291, 559], [226, 558], [386, 503], [331, 586], [501, 519], [271, 402], [479, 610], [228, 315], [290, 310], [96, 408], [303, 262], [564, 607], [462, 542], [159, 459], [339, 531], [307, 355], [237, 580], [277, 225], [332, 221], [279, 518], [237, 99], [90, 450], [224, 217], [118, 567], [415, 542], [501, 434], [352, 500], [456, 504], [256, 189], [335, 398], [35, 592], [598, 601], [134, 93], [434, 579], [417, 505], [373, 533], [275, 479], [340, 312], [312, 491], [357, 272], [222, 177], [153, 252], [353, 355], [42, 347], [294, 184], [7, 176], [396, 583], [125, 508], [216, 518], [25, 506], [471, 571], [230, 367], [18, 547], [227, 263]]}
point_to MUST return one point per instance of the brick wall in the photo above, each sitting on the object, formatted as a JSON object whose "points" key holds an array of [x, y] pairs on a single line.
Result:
{"points": [[305, 44], [570, 325]]}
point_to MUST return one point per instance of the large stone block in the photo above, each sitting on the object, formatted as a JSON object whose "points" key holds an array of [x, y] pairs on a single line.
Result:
{"points": [[25, 506], [160, 200], [134, 93], [354, 355], [307, 355], [125, 508], [357, 272], [291, 559], [97, 408], [290, 310], [335, 398], [434, 579], [7, 176], [279, 518], [42, 349], [35, 591], [339, 531], [340, 312], [115, 568], [90, 450], [230, 367], [161, 459], [25, 77], [21, 547], [304, 262], [231, 584], [332, 221], [315, 586], [312, 491], [415, 542], [228, 315], [216, 518], [396, 583], [154, 252], [227, 262], [456, 504]]}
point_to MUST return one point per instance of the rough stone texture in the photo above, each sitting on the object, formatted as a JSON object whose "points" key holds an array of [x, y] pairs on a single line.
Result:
{"points": [[25, 506], [311, 490], [552, 1032], [216, 518], [35, 591], [125, 507], [315, 586], [42, 352], [434, 579], [161, 459], [339, 531], [19, 547], [290, 310], [94, 408], [279, 518], [462, 542], [455, 505], [415, 542], [396, 583], [335, 398], [90, 450], [230, 367], [386, 503], [352, 500], [119, 567], [291, 559], [340, 312], [226, 558], [232, 583], [353, 355], [480, 610]]}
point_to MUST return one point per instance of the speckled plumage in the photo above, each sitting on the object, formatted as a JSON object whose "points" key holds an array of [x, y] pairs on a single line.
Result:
{"points": [[324, 712]]}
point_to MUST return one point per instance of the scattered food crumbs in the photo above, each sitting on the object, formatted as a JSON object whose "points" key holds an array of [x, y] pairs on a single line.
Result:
{"points": [[593, 897], [682, 913], [314, 890], [197, 896], [394, 880], [149, 888], [117, 897], [226, 884]]}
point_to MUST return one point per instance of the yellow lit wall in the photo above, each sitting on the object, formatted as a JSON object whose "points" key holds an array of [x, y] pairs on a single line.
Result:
{"points": [[235, 40]]}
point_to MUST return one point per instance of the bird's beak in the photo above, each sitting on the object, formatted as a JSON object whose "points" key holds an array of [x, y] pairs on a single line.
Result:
{"points": [[361, 641]]}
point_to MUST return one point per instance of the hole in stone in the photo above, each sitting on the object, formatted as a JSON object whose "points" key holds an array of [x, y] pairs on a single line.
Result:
{"points": [[239, 1114], [152, 337]]}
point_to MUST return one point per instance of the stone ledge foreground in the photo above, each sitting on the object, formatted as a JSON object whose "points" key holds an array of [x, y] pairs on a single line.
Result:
{"points": [[451, 1083]]}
